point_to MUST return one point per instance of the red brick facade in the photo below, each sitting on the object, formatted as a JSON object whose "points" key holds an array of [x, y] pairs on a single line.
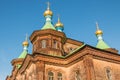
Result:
{"points": [[61, 58]]}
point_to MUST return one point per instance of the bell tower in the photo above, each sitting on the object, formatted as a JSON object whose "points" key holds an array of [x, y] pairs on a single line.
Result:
{"points": [[48, 40]]}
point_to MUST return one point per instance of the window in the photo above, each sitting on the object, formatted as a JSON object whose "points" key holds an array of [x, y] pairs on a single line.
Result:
{"points": [[43, 42], [77, 75], [59, 76], [55, 44], [50, 75], [109, 76]]}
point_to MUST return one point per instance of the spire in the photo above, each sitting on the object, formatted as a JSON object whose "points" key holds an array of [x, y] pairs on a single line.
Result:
{"points": [[98, 31], [97, 27], [101, 44], [25, 48], [25, 43], [48, 15], [48, 4], [48, 11], [59, 25]]}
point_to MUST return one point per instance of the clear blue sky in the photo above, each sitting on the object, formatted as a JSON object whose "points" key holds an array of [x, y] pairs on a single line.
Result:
{"points": [[18, 17]]}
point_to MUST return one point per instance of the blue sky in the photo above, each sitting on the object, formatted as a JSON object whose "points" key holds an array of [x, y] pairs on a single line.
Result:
{"points": [[18, 17]]}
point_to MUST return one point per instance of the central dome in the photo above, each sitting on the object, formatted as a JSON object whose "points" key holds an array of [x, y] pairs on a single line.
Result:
{"points": [[48, 12]]}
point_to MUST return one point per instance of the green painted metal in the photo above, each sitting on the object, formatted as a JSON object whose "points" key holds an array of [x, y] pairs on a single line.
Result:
{"points": [[23, 54], [48, 25], [18, 66], [102, 45], [77, 49]]}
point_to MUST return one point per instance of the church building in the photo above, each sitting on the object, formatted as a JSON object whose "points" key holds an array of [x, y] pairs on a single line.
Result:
{"points": [[56, 57]]}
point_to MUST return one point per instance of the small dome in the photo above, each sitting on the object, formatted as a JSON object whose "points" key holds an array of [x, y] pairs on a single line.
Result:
{"points": [[48, 12], [99, 32], [59, 24], [25, 43]]}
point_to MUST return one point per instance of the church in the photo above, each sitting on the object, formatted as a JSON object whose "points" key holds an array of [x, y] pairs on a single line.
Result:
{"points": [[56, 57]]}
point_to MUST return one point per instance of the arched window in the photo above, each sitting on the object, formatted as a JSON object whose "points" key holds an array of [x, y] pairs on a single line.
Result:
{"points": [[77, 75], [43, 42], [55, 44], [59, 76], [109, 76], [50, 75]]}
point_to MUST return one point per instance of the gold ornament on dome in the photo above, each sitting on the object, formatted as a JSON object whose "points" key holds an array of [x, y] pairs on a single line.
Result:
{"points": [[59, 24], [25, 43], [48, 11], [99, 32]]}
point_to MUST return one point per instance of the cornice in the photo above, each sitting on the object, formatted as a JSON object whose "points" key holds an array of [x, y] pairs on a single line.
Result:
{"points": [[72, 41], [104, 55], [15, 61], [47, 32], [75, 57], [87, 50]]}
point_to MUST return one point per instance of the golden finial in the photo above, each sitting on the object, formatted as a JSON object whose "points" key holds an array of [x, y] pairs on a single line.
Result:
{"points": [[58, 24], [98, 31], [58, 18], [25, 43], [48, 11]]}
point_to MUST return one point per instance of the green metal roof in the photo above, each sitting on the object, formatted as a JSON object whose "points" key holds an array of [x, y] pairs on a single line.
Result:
{"points": [[23, 54], [102, 45], [18, 66], [77, 49], [48, 25]]}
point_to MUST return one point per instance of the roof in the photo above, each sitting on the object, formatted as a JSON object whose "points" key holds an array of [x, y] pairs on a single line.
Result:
{"points": [[23, 54], [65, 59], [48, 25], [102, 45]]}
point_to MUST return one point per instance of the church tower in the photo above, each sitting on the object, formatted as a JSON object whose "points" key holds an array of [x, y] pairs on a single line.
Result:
{"points": [[49, 40]]}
